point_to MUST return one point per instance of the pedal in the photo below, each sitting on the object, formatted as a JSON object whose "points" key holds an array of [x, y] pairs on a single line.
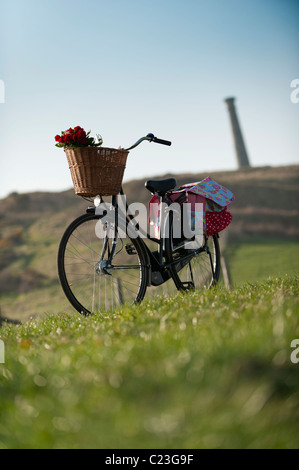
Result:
{"points": [[130, 249], [188, 285]]}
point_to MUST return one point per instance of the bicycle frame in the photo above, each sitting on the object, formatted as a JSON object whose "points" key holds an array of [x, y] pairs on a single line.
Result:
{"points": [[160, 272]]}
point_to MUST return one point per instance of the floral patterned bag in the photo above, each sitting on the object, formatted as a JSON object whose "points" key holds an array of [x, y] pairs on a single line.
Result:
{"points": [[217, 217]]}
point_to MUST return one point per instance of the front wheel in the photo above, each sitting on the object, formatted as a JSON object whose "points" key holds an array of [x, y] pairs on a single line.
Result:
{"points": [[199, 267], [89, 280]]}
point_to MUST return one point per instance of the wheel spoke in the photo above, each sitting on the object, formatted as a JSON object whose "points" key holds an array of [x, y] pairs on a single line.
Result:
{"points": [[89, 281], [197, 270]]}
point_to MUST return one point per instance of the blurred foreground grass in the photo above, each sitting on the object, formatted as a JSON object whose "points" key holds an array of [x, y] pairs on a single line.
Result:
{"points": [[202, 370]]}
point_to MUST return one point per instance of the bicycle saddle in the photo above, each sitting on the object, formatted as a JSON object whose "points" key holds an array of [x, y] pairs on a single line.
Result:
{"points": [[160, 186]]}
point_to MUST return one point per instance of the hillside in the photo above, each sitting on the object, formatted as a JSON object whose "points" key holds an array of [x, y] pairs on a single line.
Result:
{"points": [[32, 224], [166, 374]]}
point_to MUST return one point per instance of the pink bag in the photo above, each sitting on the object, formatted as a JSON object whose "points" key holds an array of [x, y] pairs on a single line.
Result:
{"points": [[154, 216], [213, 200], [195, 212]]}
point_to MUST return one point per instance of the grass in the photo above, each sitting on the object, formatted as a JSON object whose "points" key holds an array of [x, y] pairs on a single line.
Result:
{"points": [[202, 370], [249, 261], [252, 260]]}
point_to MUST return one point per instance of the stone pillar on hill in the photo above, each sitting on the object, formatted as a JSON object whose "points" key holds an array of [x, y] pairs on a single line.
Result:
{"points": [[241, 152]]}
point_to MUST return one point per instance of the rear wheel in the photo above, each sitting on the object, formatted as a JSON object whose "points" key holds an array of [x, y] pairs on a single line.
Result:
{"points": [[90, 282], [199, 271]]}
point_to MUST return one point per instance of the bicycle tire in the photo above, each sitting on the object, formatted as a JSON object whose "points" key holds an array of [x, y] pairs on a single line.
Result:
{"points": [[196, 273], [87, 287]]}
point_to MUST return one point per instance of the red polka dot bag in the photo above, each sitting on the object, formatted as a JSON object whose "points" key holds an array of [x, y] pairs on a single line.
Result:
{"points": [[217, 217], [217, 221], [213, 199]]}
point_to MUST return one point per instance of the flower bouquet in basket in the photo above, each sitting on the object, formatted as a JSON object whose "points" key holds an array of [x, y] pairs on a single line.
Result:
{"points": [[95, 170], [77, 137]]}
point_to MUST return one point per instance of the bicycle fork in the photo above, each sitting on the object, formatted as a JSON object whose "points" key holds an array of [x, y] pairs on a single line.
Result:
{"points": [[105, 265]]}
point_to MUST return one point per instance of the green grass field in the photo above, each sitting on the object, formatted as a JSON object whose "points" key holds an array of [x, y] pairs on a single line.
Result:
{"points": [[209, 369], [256, 259]]}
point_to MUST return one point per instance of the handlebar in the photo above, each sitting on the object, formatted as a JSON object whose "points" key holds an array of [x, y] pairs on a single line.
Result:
{"points": [[151, 138]]}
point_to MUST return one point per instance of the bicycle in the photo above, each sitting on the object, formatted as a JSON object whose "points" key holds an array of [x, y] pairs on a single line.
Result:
{"points": [[99, 274]]}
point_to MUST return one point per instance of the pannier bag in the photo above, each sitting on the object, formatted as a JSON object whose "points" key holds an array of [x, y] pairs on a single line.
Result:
{"points": [[213, 197]]}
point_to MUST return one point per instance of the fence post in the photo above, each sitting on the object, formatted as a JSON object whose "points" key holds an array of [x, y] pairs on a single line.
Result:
{"points": [[2, 352], [224, 261], [225, 271]]}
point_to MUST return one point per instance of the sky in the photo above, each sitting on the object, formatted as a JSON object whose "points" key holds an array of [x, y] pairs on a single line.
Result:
{"points": [[124, 68]]}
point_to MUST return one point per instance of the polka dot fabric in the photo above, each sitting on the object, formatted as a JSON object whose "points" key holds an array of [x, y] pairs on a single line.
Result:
{"points": [[217, 221]]}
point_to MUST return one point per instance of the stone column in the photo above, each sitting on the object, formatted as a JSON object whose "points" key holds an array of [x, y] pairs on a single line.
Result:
{"points": [[242, 157]]}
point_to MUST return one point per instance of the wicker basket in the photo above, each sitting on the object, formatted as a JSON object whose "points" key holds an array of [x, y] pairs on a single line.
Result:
{"points": [[96, 170]]}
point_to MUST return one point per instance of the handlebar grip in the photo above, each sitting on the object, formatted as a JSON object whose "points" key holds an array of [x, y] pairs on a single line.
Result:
{"points": [[161, 141]]}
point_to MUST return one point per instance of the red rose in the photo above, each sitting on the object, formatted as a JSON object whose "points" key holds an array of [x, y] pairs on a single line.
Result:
{"points": [[80, 137], [58, 138], [67, 138]]}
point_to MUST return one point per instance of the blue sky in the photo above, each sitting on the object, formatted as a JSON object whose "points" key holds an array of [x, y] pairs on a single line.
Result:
{"points": [[123, 68]]}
